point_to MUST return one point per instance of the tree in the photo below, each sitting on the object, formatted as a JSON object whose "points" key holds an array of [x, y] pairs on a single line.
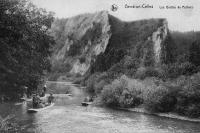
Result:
{"points": [[194, 53], [25, 44]]}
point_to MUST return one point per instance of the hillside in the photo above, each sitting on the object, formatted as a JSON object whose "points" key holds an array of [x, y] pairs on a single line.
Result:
{"points": [[95, 42], [130, 64]]}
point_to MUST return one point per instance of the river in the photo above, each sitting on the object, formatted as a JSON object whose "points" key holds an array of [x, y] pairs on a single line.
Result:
{"points": [[68, 116]]}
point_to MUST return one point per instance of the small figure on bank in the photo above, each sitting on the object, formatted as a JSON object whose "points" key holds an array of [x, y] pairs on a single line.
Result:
{"points": [[50, 98]]}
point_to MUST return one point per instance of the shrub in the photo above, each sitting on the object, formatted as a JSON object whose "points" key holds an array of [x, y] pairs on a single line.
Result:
{"points": [[119, 94], [90, 83], [140, 73], [78, 75], [99, 86], [160, 99], [130, 65], [187, 68], [96, 82], [174, 70], [188, 99], [109, 96], [186, 104], [144, 72], [130, 62], [130, 98], [78, 80]]}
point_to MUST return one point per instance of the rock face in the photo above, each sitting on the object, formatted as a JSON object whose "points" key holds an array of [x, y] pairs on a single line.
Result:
{"points": [[82, 38], [158, 37], [97, 41]]}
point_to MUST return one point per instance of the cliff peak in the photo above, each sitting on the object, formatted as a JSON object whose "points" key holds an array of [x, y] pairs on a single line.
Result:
{"points": [[97, 41]]}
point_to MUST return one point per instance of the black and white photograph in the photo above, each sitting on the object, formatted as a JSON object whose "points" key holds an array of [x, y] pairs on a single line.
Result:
{"points": [[99, 66]]}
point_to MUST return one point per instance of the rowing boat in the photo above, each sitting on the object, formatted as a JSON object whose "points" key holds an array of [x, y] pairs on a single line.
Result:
{"points": [[32, 110], [86, 103], [30, 99]]}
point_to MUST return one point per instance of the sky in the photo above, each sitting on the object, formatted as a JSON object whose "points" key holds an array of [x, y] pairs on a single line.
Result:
{"points": [[182, 19]]}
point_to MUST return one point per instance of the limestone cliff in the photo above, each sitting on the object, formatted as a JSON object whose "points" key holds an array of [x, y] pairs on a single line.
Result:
{"points": [[158, 37], [97, 41]]}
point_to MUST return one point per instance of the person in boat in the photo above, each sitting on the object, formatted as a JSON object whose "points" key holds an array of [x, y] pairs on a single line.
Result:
{"points": [[86, 99], [50, 98], [44, 89], [25, 88], [35, 101], [91, 99]]}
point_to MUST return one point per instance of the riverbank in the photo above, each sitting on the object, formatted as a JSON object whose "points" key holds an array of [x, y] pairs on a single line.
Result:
{"points": [[167, 115]]}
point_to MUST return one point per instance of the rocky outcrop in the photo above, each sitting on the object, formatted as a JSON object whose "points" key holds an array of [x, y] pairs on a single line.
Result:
{"points": [[97, 41], [158, 37], [83, 38]]}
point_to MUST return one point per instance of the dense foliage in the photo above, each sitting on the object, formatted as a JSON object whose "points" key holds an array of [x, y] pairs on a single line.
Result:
{"points": [[181, 96], [25, 45]]}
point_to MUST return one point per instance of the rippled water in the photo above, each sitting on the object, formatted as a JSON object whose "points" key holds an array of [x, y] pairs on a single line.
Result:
{"points": [[68, 116]]}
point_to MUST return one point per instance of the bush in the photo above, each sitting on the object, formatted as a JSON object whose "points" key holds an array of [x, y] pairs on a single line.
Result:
{"points": [[181, 95], [90, 82], [99, 86], [160, 99], [119, 94], [166, 71], [140, 73], [96, 82], [174, 70], [188, 99], [77, 80], [144, 72]]}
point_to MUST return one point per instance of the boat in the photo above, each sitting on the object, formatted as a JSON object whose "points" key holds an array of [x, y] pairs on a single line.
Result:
{"points": [[32, 110], [30, 99], [69, 94], [26, 99], [86, 103], [18, 104]]}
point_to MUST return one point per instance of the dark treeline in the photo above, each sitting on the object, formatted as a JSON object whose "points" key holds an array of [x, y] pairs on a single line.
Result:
{"points": [[185, 41], [25, 46]]}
